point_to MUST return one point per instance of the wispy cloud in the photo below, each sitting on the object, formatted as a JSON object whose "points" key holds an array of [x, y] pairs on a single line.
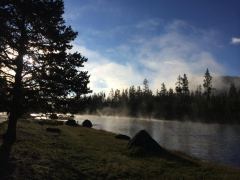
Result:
{"points": [[235, 41], [180, 48], [149, 24], [175, 52]]}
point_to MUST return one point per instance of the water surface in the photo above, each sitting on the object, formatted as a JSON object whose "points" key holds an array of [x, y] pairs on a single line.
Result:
{"points": [[3, 117]]}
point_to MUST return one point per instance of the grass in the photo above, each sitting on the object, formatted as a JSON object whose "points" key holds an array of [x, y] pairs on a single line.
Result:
{"points": [[82, 153]]}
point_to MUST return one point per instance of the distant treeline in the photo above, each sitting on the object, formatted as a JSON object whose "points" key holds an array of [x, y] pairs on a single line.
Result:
{"points": [[181, 103], [204, 104]]}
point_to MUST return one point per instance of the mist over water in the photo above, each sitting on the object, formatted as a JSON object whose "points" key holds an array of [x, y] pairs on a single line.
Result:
{"points": [[213, 142], [3, 117]]}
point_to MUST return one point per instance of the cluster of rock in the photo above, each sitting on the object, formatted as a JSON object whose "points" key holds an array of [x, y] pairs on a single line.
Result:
{"points": [[71, 122], [86, 123], [141, 144]]}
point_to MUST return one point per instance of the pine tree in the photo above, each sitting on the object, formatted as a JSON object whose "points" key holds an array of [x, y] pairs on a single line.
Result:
{"points": [[3, 94], [198, 90], [34, 46], [232, 93], [139, 92], [163, 91], [116, 96], [111, 95], [185, 89], [132, 93], [170, 92], [207, 84], [145, 86], [178, 87]]}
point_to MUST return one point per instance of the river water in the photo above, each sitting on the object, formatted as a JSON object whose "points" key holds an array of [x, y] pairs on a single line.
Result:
{"points": [[3, 117], [212, 142]]}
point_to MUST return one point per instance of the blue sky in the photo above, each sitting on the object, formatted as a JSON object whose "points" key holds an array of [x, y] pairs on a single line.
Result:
{"points": [[129, 40]]}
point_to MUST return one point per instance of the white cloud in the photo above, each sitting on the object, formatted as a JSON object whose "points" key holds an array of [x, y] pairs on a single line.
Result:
{"points": [[107, 74], [181, 49], [235, 40]]}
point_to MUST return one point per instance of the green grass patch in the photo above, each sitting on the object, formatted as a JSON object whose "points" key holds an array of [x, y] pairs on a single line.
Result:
{"points": [[83, 153]]}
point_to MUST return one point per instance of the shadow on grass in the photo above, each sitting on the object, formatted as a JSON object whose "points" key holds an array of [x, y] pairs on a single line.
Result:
{"points": [[6, 166], [138, 152]]}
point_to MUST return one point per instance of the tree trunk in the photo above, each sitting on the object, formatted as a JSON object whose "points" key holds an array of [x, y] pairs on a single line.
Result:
{"points": [[17, 96], [16, 104]]}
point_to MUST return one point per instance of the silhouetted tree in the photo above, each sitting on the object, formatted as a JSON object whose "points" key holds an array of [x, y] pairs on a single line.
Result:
{"points": [[111, 95], [4, 101], [207, 84], [146, 89], [163, 91], [179, 85], [170, 92], [34, 46], [232, 91], [185, 89], [133, 103], [222, 106], [198, 90]]}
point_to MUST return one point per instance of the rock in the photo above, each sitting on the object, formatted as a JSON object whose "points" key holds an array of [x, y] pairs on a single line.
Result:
{"points": [[53, 130], [122, 136], [53, 116], [87, 123], [143, 144], [71, 122]]}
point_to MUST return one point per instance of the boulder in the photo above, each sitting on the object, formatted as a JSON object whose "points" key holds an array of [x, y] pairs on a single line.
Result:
{"points": [[87, 123], [122, 136], [53, 116], [71, 122], [143, 144]]}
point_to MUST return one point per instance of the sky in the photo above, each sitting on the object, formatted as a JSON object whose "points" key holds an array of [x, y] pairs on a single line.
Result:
{"points": [[126, 41]]}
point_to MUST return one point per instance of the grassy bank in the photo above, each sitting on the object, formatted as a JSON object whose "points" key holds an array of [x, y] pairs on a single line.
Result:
{"points": [[81, 153]]}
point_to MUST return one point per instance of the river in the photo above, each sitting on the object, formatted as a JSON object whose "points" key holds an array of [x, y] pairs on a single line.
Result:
{"points": [[212, 142], [3, 117]]}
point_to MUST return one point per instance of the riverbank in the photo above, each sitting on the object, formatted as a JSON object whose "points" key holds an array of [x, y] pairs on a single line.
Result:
{"points": [[82, 153]]}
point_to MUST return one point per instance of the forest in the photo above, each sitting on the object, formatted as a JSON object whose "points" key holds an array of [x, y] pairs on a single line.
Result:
{"points": [[206, 103]]}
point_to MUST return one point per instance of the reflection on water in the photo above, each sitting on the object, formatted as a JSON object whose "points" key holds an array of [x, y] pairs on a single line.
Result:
{"points": [[3, 116], [213, 142]]}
